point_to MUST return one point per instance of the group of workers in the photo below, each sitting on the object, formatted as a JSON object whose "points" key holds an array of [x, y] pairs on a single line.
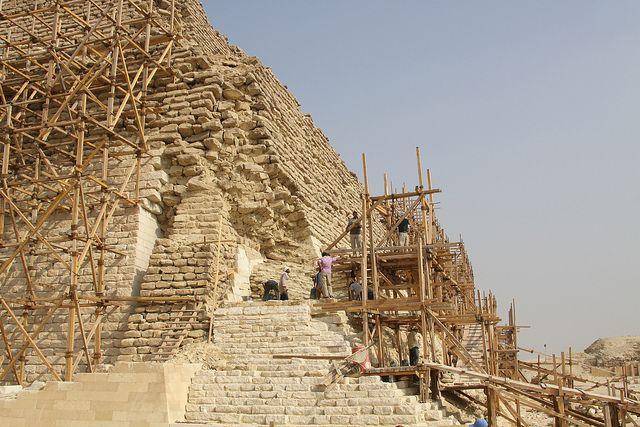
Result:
{"points": [[322, 285], [354, 226], [277, 290]]}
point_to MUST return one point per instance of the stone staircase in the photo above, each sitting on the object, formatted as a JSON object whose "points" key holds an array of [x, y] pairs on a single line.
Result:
{"points": [[258, 389]]}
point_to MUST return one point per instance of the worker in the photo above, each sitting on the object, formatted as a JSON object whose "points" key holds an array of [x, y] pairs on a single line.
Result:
{"points": [[283, 289], [324, 264], [355, 230], [270, 290], [453, 358], [414, 341], [317, 285], [403, 232], [480, 422], [355, 290]]}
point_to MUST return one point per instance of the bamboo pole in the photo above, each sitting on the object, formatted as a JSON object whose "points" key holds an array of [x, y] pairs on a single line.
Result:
{"points": [[29, 339], [559, 403], [380, 337], [363, 272], [7, 348], [372, 249], [16, 357]]}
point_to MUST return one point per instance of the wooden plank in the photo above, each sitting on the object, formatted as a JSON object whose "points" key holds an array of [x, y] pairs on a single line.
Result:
{"points": [[397, 196], [310, 356]]}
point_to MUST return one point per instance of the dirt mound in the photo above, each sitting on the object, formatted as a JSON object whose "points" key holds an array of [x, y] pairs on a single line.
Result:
{"points": [[614, 351]]}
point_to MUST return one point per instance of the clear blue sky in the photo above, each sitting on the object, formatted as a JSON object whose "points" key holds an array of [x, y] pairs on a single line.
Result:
{"points": [[528, 116]]}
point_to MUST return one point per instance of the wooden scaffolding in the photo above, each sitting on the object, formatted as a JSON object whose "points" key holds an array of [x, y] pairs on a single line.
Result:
{"points": [[74, 77], [428, 284]]}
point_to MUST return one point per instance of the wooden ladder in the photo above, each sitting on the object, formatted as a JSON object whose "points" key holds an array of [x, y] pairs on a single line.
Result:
{"points": [[177, 331]]}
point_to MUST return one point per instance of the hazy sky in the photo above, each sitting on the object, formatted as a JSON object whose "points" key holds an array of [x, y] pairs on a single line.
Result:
{"points": [[527, 114]]}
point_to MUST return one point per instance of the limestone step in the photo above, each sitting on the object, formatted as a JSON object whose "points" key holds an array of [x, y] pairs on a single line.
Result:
{"points": [[234, 418], [268, 398], [443, 423], [286, 349], [257, 383]]}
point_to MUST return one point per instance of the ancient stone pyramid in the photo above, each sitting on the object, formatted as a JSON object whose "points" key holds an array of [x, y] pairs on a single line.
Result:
{"points": [[227, 156]]}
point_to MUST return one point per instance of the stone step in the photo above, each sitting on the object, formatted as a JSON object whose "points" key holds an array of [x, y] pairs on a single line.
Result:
{"points": [[308, 408], [261, 313], [266, 334], [280, 338], [240, 365], [306, 383], [306, 377], [270, 386], [441, 423], [265, 397], [261, 307], [287, 349], [233, 353], [273, 323], [315, 341], [138, 368], [284, 341], [234, 418]]}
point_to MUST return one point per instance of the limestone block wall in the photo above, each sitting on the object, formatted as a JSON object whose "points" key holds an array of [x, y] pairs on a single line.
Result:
{"points": [[185, 263], [129, 395], [262, 127]]}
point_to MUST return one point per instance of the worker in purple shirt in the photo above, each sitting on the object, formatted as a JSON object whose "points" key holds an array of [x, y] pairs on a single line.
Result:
{"points": [[324, 264]]}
